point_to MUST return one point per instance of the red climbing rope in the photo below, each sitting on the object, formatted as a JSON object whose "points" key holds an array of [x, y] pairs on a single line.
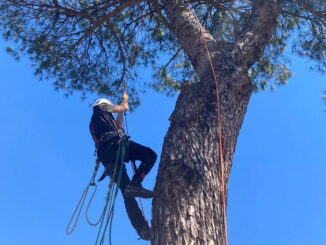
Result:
{"points": [[219, 131]]}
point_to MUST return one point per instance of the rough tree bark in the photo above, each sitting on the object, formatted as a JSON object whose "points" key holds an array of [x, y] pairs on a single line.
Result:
{"points": [[187, 208]]}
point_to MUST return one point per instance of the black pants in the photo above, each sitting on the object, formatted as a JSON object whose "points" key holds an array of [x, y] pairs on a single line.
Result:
{"points": [[134, 152]]}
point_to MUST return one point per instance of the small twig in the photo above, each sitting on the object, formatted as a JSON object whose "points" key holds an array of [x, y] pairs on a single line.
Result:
{"points": [[160, 15], [171, 59], [122, 54]]}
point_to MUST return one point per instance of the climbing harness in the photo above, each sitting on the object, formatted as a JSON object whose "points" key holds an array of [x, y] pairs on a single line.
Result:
{"points": [[219, 151]]}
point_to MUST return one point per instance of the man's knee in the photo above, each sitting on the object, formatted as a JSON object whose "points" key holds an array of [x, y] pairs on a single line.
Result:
{"points": [[151, 156]]}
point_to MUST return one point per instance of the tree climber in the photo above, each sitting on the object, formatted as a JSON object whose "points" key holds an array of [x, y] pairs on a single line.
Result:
{"points": [[106, 132]]}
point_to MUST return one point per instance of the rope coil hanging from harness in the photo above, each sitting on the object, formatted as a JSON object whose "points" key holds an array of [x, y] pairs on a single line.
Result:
{"points": [[76, 214], [108, 210], [112, 194], [219, 151]]}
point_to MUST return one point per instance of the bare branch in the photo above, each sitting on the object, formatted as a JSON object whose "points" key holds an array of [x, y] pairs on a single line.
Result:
{"points": [[105, 19], [135, 21], [56, 8], [298, 15], [319, 14], [252, 41], [171, 59]]}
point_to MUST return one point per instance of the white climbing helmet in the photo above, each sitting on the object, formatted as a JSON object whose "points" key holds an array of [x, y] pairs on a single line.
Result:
{"points": [[102, 101]]}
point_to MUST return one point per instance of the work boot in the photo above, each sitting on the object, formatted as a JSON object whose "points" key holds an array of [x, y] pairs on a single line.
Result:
{"points": [[145, 233], [135, 189]]}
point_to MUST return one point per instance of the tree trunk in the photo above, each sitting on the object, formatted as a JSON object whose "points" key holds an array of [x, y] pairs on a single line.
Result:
{"points": [[187, 208]]}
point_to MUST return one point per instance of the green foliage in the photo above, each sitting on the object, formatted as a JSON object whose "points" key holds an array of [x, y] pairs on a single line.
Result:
{"points": [[99, 46], [272, 69], [65, 49], [310, 36]]}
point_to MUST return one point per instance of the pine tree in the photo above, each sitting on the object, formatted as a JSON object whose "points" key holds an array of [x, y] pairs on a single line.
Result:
{"points": [[96, 46]]}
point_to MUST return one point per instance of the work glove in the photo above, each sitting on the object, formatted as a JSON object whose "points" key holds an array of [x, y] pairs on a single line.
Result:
{"points": [[125, 96]]}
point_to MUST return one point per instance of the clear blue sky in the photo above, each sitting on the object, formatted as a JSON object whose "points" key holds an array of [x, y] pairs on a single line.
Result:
{"points": [[277, 185]]}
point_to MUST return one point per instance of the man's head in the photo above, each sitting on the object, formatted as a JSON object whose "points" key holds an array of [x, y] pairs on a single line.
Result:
{"points": [[102, 101]]}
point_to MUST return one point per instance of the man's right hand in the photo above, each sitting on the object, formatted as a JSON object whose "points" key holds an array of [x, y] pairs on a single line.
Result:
{"points": [[125, 96]]}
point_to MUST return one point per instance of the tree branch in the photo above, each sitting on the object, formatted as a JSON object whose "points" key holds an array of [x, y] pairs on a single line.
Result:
{"points": [[160, 15], [190, 33], [171, 59], [105, 19], [122, 54], [298, 15], [57, 8], [251, 43], [317, 14], [219, 6], [135, 21]]}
